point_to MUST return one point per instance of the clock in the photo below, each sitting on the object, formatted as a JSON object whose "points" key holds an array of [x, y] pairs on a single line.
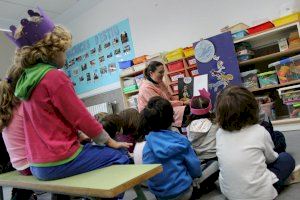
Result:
{"points": [[204, 51]]}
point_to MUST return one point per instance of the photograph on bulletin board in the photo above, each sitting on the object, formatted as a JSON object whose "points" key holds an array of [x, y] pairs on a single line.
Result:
{"points": [[93, 63]]}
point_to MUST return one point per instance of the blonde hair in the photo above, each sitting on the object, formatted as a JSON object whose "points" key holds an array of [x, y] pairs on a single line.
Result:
{"points": [[7, 99], [45, 50], [59, 40]]}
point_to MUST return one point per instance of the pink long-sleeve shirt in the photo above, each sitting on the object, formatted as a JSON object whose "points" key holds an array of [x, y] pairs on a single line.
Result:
{"points": [[14, 139], [149, 90], [52, 116]]}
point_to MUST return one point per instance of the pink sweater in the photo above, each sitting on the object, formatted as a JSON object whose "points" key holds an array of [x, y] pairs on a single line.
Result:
{"points": [[14, 139], [52, 116], [149, 90]]}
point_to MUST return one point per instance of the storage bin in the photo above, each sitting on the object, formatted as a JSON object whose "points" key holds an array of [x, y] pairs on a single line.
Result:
{"points": [[188, 52], [193, 72], [267, 79], [140, 59], [139, 67], [129, 82], [127, 71], [287, 19], [132, 101], [245, 52], [242, 46], [287, 69], [139, 79], [267, 108], [261, 27], [174, 88], [249, 79], [177, 65], [191, 61], [235, 28], [125, 64], [294, 109], [291, 96], [176, 76], [130, 89], [239, 35], [244, 57], [174, 55]]}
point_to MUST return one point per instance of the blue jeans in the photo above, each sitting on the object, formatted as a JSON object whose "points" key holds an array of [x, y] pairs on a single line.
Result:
{"points": [[282, 167], [90, 158]]}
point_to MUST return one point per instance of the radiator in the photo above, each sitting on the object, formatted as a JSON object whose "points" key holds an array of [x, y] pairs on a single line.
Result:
{"points": [[102, 107]]}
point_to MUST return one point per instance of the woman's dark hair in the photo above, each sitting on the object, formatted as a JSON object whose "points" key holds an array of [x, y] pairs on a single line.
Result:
{"points": [[199, 103], [157, 115], [152, 66], [236, 108]]}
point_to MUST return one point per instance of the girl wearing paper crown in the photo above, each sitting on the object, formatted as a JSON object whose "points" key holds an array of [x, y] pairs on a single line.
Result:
{"points": [[201, 132], [52, 111]]}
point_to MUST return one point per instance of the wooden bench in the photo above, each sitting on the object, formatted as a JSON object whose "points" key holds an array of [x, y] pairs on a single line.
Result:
{"points": [[106, 182]]}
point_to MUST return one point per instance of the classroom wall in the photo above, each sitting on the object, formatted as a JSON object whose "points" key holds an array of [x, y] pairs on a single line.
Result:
{"points": [[162, 25], [6, 53]]}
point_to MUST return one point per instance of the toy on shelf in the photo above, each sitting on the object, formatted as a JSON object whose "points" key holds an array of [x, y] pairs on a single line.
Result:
{"points": [[287, 69], [291, 98], [249, 79], [267, 79], [244, 51], [267, 105]]}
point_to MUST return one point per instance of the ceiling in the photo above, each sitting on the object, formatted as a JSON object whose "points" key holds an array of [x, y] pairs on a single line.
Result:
{"points": [[12, 11]]}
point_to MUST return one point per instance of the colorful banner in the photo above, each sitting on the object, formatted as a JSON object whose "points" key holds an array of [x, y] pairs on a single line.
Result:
{"points": [[216, 57], [93, 63]]}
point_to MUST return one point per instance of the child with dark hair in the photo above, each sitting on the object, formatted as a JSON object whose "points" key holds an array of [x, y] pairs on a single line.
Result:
{"points": [[170, 149], [130, 118], [249, 167], [112, 123]]}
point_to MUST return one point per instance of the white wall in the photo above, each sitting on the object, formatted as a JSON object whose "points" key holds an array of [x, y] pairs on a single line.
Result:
{"points": [[162, 25], [6, 53]]}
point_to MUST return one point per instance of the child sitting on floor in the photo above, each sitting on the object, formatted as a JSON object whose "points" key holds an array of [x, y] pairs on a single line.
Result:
{"points": [[201, 132], [169, 148], [130, 118], [249, 167]]}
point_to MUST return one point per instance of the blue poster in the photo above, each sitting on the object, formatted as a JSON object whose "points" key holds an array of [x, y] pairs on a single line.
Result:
{"points": [[93, 63], [216, 57]]}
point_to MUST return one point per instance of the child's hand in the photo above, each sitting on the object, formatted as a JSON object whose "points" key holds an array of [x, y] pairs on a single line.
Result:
{"points": [[117, 145]]}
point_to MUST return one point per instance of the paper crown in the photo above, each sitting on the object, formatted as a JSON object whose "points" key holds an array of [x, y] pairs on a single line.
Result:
{"points": [[201, 111], [32, 32]]}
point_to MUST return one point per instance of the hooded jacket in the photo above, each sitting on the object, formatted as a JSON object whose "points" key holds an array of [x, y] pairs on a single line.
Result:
{"points": [[202, 134], [179, 161]]}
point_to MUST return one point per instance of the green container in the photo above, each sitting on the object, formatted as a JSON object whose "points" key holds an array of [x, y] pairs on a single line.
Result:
{"points": [[130, 88], [267, 79]]}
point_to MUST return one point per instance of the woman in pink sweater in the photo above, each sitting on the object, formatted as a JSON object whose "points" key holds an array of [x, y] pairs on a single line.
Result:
{"points": [[153, 85]]}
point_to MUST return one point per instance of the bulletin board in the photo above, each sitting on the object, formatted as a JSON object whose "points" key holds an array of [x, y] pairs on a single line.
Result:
{"points": [[93, 63], [216, 57]]}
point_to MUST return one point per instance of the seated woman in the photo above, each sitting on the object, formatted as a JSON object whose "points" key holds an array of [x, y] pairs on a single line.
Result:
{"points": [[153, 85]]}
